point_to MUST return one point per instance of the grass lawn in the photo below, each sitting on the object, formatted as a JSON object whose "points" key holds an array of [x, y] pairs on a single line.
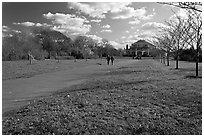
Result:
{"points": [[143, 98], [22, 69]]}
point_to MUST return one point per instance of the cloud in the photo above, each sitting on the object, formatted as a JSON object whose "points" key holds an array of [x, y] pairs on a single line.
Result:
{"points": [[116, 44], [106, 26], [133, 27], [182, 13], [31, 24], [106, 30], [87, 9], [94, 37], [97, 9], [141, 14], [135, 22], [5, 28], [27, 24], [147, 35], [123, 13], [153, 26], [96, 20], [148, 17], [7, 31], [68, 24], [150, 29], [127, 31], [116, 10], [123, 37]]}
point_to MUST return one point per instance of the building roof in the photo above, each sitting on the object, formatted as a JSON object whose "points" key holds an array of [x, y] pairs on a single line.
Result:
{"points": [[142, 41]]}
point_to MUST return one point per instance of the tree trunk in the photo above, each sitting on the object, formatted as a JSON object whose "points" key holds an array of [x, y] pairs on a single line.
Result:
{"points": [[50, 54], [167, 58], [164, 59], [177, 58], [161, 58], [30, 59], [197, 59]]}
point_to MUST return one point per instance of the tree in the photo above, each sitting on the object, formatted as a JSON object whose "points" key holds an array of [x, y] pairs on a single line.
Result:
{"points": [[193, 26], [194, 33], [196, 6], [177, 30], [165, 41], [84, 46]]}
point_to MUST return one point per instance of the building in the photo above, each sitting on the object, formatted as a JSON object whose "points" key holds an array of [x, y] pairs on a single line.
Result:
{"points": [[127, 51], [143, 48]]}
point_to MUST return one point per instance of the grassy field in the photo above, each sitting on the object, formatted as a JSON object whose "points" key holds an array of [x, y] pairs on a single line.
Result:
{"points": [[143, 98], [22, 69]]}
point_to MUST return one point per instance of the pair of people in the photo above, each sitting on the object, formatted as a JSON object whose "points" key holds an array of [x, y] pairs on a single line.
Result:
{"points": [[110, 58]]}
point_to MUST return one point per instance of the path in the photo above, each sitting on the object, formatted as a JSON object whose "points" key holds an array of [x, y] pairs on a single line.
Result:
{"points": [[18, 92]]}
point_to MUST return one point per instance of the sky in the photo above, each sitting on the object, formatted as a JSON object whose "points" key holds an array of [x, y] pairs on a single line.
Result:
{"points": [[120, 23]]}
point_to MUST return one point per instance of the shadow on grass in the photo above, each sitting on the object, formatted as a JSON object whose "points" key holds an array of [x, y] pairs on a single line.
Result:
{"points": [[186, 69], [192, 76]]}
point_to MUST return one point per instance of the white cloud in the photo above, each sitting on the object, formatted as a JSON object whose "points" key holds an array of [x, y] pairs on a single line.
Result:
{"points": [[87, 9], [96, 20], [106, 30], [124, 13], [123, 37], [16, 31], [133, 27], [147, 35], [106, 26], [116, 44], [5, 28], [116, 10], [134, 22], [127, 31], [30, 24], [7, 31], [129, 41], [141, 14], [94, 37], [153, 26], [68, 24], [27, 24], [98, 9], [182, 13], [148, 17]]}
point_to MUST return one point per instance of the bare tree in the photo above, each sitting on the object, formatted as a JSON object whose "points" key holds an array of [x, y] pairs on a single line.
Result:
{"points": [[196, 6], [176, 29], [194, 33], [165, 39], [192, 28]]}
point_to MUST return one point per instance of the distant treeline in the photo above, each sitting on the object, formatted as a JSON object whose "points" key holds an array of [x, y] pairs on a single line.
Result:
{"points": [[46, 43], [189, 55]]}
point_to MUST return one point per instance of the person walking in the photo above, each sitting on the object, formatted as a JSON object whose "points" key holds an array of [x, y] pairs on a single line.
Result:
{"points": [[112, 59], [108, 59]]}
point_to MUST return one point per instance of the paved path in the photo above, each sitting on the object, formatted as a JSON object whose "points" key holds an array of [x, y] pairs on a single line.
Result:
{"points": [[18, 92]]}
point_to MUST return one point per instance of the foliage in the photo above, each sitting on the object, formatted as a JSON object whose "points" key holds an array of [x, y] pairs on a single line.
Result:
{"points": [[189, 55], [44, 42]]}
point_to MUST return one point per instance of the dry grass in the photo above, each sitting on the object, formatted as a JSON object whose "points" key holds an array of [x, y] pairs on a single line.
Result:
{"points": [[22, 69], [144, 98]]}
